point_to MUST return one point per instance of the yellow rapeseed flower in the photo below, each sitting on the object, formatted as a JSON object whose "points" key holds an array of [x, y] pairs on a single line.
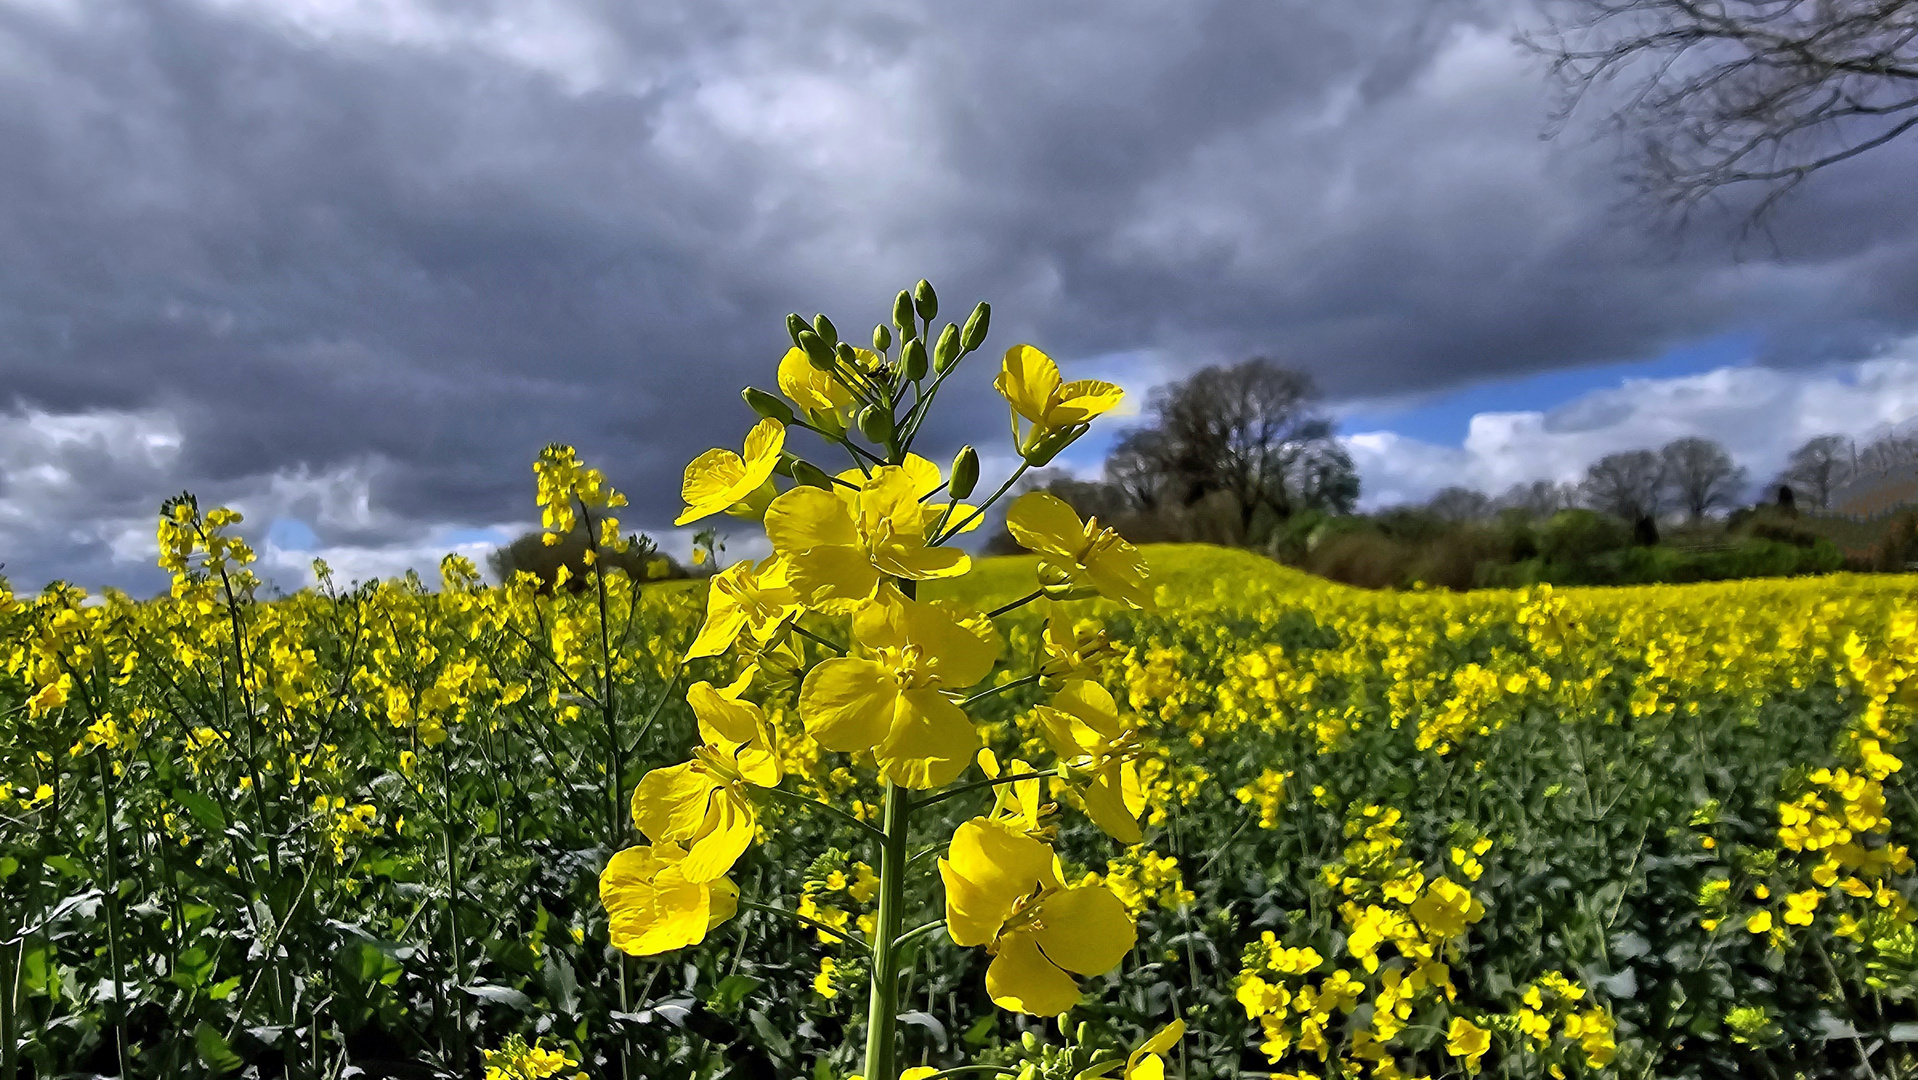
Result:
{"points": [[1075, 554], [653, 907], [702, 803], [1468, 1041], [839, 548], [720, 480], [892, 699], [1003, 891], [746, 596], [1057, 410]]}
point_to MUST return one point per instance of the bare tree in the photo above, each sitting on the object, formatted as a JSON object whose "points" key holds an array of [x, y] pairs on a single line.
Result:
{"points": [[1725, 94], [1625, 485], [1140, 466], [1460, 504], [1818, 468], [1251, 431], [1887, 452], [1700, 475], [1540, 498]]}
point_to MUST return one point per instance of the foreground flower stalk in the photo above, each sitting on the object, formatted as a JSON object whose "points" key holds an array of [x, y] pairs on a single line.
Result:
{"points": [[885, 677]]}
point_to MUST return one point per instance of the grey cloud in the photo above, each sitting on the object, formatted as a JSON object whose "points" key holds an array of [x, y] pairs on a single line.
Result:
{"points": [[437, 242]]}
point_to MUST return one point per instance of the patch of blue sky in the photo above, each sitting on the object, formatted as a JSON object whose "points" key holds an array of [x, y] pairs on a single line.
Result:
{"points": [[1445, 417]]}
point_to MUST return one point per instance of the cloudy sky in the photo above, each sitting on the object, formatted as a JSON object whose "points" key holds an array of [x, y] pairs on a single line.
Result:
{"points": [[348, 264]]}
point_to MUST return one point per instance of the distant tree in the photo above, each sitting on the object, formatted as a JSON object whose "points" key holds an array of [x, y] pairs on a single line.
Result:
{"points": [[1141, 468], [1539, 499], [531, 553], [1460, 504], [1886, 453], [1253, 432], [1787, 499], [1818, 468], [1625, 485], [1723, 94], [1700, 476]]}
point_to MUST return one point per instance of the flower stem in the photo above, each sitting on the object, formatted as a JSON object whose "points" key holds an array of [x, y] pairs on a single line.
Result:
{"points": [[882, 1016]]}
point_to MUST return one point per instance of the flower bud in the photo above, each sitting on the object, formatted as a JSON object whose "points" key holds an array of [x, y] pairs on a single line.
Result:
{"points": [[902, 315], [847, 356], [1039, 452], [1029, 1040], [805, 472], [965, 472], [794, 326], [818, 353], [824, 328], [875, 423], [767, 405], [947, 351], [925, 301], [975, 332], [881, 338], [912, 359]]}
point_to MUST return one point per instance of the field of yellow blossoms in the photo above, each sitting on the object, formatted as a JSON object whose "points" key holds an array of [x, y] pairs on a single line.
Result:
{"points": [[1634, 832]]}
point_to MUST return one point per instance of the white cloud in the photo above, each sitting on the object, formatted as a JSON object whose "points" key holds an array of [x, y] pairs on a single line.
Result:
{"points": [[1759, 414]]}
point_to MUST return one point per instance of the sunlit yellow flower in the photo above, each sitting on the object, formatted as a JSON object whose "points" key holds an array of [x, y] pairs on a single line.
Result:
{"points": [[1058, 411], [839, 548], [1003, 891], [653, 907], [825, 403], [746, 596], [1145, 1062], [1467, 1040], [702, 803], [891, 700], [1075, 553], [1083, 727], [720, 480]]}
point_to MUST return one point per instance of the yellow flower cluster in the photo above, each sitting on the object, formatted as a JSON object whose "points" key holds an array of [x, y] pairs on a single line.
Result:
{"points": [[516, 1059]]}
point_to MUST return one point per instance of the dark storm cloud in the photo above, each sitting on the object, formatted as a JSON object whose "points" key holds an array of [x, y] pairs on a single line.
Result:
{"points": [[433, 238]]}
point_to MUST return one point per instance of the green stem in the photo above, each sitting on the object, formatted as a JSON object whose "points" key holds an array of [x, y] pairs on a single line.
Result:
{"points": [[112, 843], [1009, 778], [1015, 604], [948, 534], [806, 920], [815, 804], [1000, 689], [882, 1016], [9, 980], [453, 913]]}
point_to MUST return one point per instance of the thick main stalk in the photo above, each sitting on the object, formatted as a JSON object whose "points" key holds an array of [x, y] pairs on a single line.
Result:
{"points": [[882, 1017]]}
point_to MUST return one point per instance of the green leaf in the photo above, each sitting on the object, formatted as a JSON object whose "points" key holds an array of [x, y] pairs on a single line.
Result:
{"points": [[204, 810], [500, 995], [214, 1050], [732, 990]]}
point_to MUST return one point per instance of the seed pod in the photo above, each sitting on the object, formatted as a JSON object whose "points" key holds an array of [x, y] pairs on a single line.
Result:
{"points": [[975, 332], [805, 472], [902, 315], [965, 472], [767, 405], [925, 301], [912, 359], [946, 353], [881, 338], [875, 423], [817, 351], [794, 325], [824, 328]]}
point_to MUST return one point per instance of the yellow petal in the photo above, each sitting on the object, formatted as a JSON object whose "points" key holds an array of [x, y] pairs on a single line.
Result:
{"points": [[931, 742], [999, 864], [724, 620], [670, 803], [727, 832], [1024, 981], [650, 906], [709, 484], [1044, 523], [806, 518], [1162, 1040], [1105, 804], [808, 387], [1092, 705], [848, 703], [763, 445], [722, 903], [1119, 572], [723, 719], [916, 563], [1080, 400], [1026, 380], [1085, 929], [828, 576]]}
